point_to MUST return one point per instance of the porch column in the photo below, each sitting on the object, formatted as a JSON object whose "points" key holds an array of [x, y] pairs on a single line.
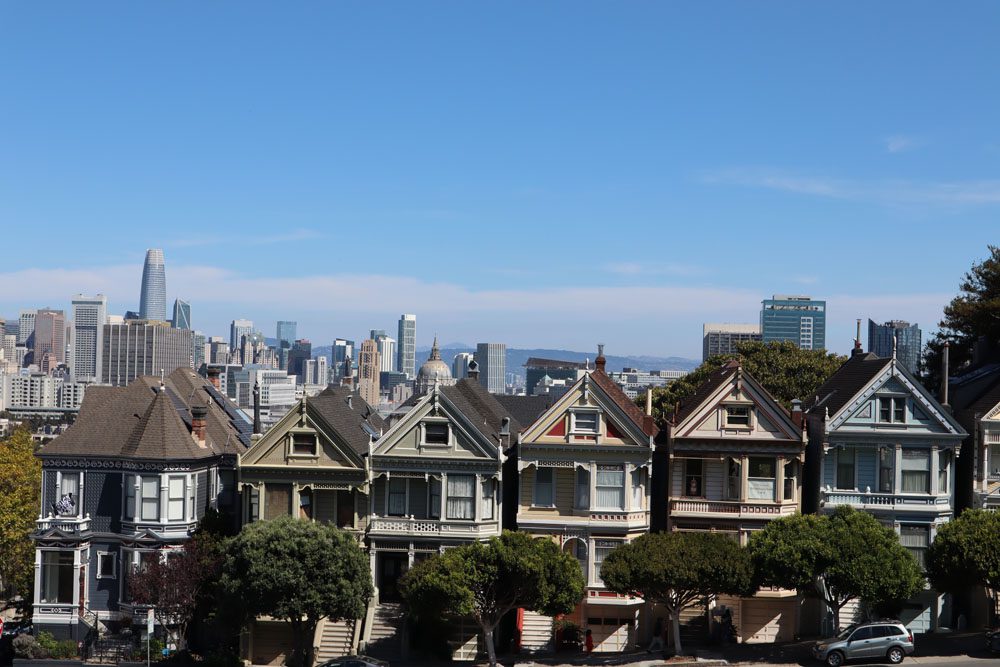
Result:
{"points": [[934, 471], [779, 480], [627, 500], [744, 478], [898, 469]]}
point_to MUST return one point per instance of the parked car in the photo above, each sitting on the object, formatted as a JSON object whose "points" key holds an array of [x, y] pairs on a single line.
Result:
{"points": [[993, 640], [879, 639], [354, 661], [15, 628]]}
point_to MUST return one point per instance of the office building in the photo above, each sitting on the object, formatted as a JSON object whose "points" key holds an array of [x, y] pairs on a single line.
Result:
{"points": [[795, 318], [182, 314], [218, 351], [322, 370], [9, 344], [26, 327], [723, 338], [343, 353], [537, 368], [388, 381], [634, 382], [238, 329], [140, 347], [198, 349], [50, 337], [90, 314], [407, 341], [460, 365], [300, 353], [491, 358], [153, 296], [286, 333], [369, 369], [907, 342], [386, 350]]}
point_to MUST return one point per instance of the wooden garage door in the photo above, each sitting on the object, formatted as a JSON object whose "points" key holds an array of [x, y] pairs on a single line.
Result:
{"points": [[272, 643], [768, 620], [612, 633]]}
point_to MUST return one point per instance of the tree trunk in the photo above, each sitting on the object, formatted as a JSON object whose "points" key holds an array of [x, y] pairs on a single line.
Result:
{"points": [[675, 621], [491, 650], [309, 631]]}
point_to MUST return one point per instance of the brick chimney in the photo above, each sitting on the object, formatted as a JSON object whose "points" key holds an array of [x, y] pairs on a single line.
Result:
{"points": [[213, 373], [797, 415], [600, 362], [198, 422]]}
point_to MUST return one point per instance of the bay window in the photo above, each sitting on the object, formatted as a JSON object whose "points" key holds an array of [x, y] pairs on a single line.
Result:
{"points": [[56, 585], [461, 497], [916, 539], [543, 487], [610, 487], [175, 498], [582, 489], [916, 468], [150, 499], [944, 458], [487, 510], [760, 483]]}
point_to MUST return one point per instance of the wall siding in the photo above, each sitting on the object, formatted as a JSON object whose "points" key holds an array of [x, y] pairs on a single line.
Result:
{"points": [[104, 500]]}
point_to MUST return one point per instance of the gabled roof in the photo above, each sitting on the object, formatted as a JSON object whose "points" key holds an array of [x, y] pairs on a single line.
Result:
{"points": [[348, 418], [711, 384], [481, 407], [145, 420], [526, 409], [621, 399], [848, 380], [975, 393]]}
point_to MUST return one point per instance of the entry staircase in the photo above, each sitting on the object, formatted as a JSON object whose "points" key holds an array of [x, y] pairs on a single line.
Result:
{"points": [[385, 639]]}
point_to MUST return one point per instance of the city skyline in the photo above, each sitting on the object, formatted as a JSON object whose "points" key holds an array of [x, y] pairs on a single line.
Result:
{"points": [[608, 140]]}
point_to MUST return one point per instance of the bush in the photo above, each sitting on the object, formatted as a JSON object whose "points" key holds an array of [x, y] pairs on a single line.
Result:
{"points": [[27, 647]]}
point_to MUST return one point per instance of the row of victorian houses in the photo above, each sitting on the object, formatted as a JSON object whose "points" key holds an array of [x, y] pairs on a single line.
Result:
{"points": [[587, 469]]}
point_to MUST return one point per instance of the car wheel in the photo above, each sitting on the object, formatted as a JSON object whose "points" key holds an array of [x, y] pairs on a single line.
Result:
{"points": [[834, 659], [895, 655]]}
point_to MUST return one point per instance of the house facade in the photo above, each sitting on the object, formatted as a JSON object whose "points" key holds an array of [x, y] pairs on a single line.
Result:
{"points": [[129, 481], [585, 466], [735, 463], [881, 443]]}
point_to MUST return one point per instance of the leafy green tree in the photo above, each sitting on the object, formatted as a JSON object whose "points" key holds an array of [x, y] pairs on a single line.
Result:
{"points": [[300, 572], [488, 580], [966, 552], [20, 493], [678, 570], [972, 314], [845, 556], [783, 369]]}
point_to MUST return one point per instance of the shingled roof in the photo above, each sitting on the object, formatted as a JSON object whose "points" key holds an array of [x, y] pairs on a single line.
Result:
{"points": [[481, 407], [526, 409], [615, 393], [347, 414], [846, 382], [717, 378], [150, 421]]}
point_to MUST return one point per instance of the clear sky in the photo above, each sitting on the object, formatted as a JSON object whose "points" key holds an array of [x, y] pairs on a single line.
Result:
{"points": [[547, 174]]}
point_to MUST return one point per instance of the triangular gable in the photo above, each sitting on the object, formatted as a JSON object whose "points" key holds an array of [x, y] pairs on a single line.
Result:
{"points": [[739, 387], [585, 392], [403, 439], [272, 449], [896, 379]]}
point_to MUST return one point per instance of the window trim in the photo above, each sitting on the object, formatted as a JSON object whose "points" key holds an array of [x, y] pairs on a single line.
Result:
{"points": [[142, 499], [436, 421], [748, 426], [292, 453], [601, 543], [470, 499], [615, 468], [896, 402], [78, 501], [552, 488], [114, 564], [854, 469], [574, 428], [700, 476]]}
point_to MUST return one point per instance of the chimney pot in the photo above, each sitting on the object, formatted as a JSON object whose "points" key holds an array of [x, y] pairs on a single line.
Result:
{"points": [[600, 362], [198, 421]]}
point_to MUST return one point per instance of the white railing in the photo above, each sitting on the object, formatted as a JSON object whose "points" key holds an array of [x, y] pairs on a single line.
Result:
{"points": [[892, 500], [430, 527], [67, 524], [695, 506], [619, 516]]}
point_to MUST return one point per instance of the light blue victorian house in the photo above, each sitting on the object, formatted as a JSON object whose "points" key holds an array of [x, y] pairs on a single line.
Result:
{"points": [[879, 442]]}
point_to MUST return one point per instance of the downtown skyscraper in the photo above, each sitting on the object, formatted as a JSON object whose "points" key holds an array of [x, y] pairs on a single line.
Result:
{"points": [[182, 314], [407, 341], [90, 314], [492, 360], [153, 297]]}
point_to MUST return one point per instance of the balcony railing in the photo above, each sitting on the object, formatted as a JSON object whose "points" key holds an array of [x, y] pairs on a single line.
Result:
{"points": [[883, 500], [67, 524], [401, 525], [731, 507], [619, 516]]}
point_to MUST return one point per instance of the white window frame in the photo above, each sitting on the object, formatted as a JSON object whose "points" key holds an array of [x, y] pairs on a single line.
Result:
{"points": [[130, 494], [176, 500], [389, 493], [314, 453], [574, 422], [836, 468], [114, 564], [77, 495], [894, 406], [615, 468], [738, 425], [488, 495], [40, 585], [552, 488], [141, 500], [596, 568], [470, 499], [436, 422]]}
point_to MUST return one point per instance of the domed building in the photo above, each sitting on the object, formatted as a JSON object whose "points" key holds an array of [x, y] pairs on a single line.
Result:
{"points": [[433, 370]]}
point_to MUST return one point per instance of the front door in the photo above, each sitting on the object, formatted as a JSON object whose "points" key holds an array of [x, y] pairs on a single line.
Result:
{"points": [[392, 567]]}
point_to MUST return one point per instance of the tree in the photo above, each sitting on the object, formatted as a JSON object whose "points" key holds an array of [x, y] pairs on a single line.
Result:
{"points": [[20, 492], [973, 314], [678, 570], [488, 580], [175, 584], [966, 552], [301, 572], [783, 369], [845, 556]]}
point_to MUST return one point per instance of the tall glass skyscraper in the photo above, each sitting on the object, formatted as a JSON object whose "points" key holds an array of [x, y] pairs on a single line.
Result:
{"points": [[153, 297], [182, 314], [880, 339], [795, 318], [492, 360], [407, 340], [286, 333]]}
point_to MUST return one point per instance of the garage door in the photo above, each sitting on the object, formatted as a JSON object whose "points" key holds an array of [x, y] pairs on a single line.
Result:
{"points": [[272, 643], [612, 633], [768, 620]]}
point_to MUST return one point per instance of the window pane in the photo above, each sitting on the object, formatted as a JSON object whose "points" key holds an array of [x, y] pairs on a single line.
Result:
{"points": [[845, 469], [693, 477], [461, 496], [943, 460], [761, 467], [150, 498], [899, 410], [436, 433], [397, 497], [738, 415], [57, 577], [106, 565], [601, 550], [884, 409], [434, 491], [175, 499], [582, 489], [585, 422], [277, 500], [790, 472], [69, 495], [610, 487], [543, 487], [760, 489], [487, 498], [303, 443]]}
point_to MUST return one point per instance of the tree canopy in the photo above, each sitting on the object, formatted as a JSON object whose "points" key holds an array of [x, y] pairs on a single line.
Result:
{"points": [[786, 371], [678, 570], [966, 552], [973, 314], [20, 489], [300, 572], [845, 556], [486, 580]]}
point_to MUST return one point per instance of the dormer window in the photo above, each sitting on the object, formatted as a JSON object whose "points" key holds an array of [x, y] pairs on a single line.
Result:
{"points": [[585, 422], [303, 444], [892, 409], [436, 433], [738, 416]]}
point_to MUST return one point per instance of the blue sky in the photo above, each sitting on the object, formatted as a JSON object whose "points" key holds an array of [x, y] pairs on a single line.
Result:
{"points": [[545, 174]]}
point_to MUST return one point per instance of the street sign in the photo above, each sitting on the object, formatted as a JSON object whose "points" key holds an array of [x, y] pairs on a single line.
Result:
{"points": [[149, 621]]}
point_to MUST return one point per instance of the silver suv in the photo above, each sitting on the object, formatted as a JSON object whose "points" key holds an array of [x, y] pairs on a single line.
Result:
{"points": [[879, 639]]}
